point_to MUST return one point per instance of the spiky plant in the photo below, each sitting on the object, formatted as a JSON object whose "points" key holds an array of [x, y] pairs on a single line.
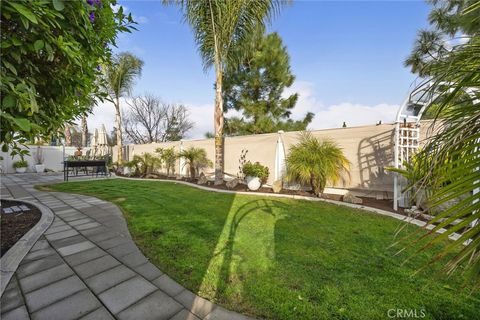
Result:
{"points": [[316, 162], [195, 158], [455, 79]]}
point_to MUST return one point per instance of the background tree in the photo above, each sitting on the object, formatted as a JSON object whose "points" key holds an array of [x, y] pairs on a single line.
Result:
{"points": [[222, 30], [120, 75], [149, 120], [256, 88], [49, 59], [454, 75], [451, 26]]}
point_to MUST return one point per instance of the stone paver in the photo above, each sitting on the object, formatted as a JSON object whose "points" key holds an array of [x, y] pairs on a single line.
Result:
{"points": [[86, 266]]}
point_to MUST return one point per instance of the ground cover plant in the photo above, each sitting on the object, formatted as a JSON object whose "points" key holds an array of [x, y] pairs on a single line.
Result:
{"points": [[279, 258]]}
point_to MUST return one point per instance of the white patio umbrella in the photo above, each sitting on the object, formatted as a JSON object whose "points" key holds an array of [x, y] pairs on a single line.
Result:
{"points": [[102, 141]]}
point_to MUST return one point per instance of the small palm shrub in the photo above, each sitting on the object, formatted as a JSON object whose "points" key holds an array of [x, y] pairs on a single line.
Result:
{"points": [[144, 164], [316, 162], [20, 164], [168, 157], [256, 170], [196, 159]]}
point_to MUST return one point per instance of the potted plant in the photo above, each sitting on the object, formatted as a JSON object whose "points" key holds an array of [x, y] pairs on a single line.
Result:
{"points": [[20, 166], [39, 166], [255, 175]]}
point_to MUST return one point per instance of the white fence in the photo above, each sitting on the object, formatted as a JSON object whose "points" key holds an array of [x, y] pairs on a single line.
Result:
{"points": [[52, 158]]}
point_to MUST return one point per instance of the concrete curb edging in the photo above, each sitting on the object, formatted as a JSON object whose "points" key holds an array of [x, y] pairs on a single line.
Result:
{"points": [[397, 216], [12, 258]]}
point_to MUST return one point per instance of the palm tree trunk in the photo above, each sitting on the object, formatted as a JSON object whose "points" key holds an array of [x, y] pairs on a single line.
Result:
{"points": [[118, 125], [218, 126], [84, 131], [68, 136]]}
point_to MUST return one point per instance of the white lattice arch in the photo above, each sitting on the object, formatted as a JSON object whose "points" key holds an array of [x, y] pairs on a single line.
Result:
{"points": [[407, 129]]}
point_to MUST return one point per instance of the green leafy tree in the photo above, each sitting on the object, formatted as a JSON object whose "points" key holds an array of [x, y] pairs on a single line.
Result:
{"points": [[50, 55], [120, 76], [222, 30], [451, 158], [256, 87], [316, 162]]}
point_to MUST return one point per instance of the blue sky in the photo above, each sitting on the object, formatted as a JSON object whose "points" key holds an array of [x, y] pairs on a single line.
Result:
{"points": [[347, 58]]}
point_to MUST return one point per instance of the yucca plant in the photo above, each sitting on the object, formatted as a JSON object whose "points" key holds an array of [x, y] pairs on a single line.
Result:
{"points": [[196, 159], [455, 81], [316, 162]]}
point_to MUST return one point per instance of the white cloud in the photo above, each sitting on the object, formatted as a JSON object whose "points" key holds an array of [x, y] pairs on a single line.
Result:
{"points": [[103, 113], [202, 115], [116, 7], [140, 19], [333, 116], [353, 115]]}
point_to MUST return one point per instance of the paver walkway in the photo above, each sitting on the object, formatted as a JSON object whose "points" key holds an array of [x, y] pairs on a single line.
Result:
{"points": [[86, 266]]}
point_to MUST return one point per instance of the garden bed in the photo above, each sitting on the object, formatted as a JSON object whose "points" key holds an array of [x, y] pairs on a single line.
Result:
{"points": [[17, 218], [383, 204]]}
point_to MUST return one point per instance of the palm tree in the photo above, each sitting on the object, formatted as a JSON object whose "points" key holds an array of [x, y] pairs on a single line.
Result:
{"points": [[84, 131], [451, 158], [316, 162], [120, 76], [220, 28], [196, 158]]}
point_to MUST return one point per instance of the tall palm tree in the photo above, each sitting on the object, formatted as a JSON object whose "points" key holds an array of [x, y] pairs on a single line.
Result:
{"points": [[220, 28], [84, 131], [120, 76]]}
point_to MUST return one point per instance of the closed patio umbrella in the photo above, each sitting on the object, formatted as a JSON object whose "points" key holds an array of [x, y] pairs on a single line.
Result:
{"points": [[102, 141], [94, 143]]}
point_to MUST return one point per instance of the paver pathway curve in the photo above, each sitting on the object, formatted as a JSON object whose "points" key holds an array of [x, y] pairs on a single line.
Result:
{"points": [[86, 266]]}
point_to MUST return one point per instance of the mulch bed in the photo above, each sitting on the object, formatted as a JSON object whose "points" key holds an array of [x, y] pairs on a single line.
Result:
{"points": [[14, 225], [384, 204]]}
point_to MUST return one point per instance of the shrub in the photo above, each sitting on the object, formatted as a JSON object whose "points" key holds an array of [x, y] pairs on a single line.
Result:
{"points": [[316, 162], [145, 164], [196, 159], [256, 170], [168, 156], [20, 164]]}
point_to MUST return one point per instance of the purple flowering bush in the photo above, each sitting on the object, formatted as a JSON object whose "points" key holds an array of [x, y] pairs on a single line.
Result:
{"points": [[50, 54]]}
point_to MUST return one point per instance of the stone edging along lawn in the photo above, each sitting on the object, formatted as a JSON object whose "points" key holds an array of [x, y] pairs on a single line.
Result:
{"points": [[397, 216], [12, 258]]}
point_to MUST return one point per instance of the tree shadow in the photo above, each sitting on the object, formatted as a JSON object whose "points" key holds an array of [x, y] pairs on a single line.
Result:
{"points": [[223, 267]]}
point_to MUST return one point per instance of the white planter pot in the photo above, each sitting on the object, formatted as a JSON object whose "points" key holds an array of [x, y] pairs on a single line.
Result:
{"points": [[253, 183], [40, 168], [21, 170]]}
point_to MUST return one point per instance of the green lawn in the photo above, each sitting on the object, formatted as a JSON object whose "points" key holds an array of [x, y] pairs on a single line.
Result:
{"points": [[277, 258]]}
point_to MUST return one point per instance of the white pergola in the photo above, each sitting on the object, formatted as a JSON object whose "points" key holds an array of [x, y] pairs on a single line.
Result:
{"points": [[407, 131]]}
